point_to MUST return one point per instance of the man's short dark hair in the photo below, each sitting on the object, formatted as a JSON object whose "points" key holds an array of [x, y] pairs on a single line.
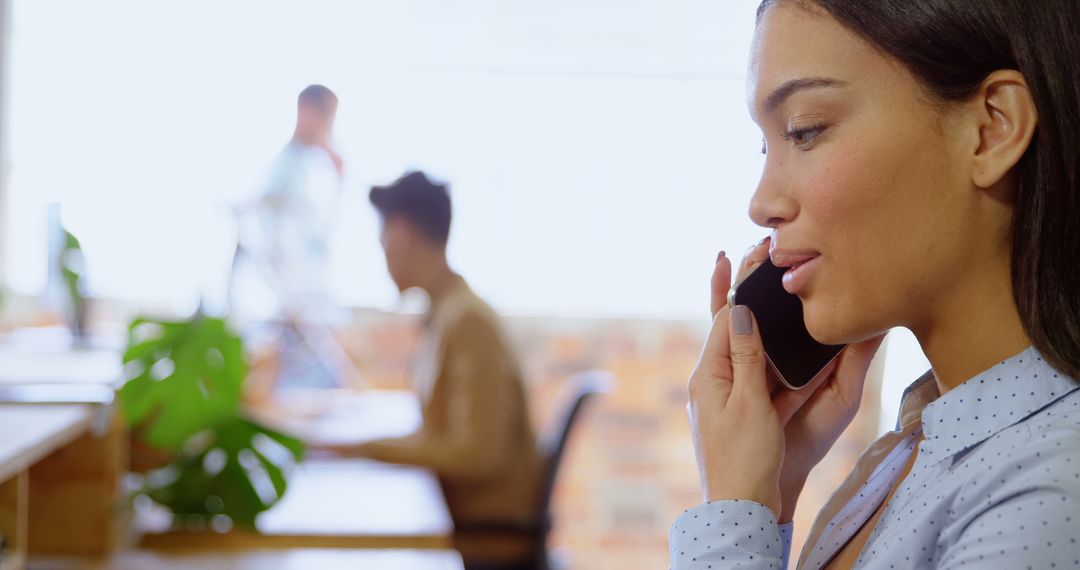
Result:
{"points": [[417, 199], [318, 95]]}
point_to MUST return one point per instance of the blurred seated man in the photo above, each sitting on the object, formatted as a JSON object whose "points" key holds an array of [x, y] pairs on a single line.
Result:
{"points": [[476, 435]]}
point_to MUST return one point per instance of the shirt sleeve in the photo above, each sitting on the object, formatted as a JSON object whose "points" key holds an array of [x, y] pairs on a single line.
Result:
{"points": [[729, 534]]}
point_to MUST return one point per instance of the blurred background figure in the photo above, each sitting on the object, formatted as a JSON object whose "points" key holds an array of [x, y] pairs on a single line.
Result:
{"points": [[476, 435], [284, 237]]}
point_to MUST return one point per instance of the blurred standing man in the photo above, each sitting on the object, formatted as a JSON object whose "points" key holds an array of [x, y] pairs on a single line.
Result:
{"points": [[297, 204], [476, 434], [285, 234]]}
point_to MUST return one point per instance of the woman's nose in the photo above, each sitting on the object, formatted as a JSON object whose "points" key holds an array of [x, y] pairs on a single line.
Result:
{"points": [[772, 204]]}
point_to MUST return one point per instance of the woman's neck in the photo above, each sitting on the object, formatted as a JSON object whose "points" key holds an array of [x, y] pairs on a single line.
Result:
{"points": [[977, 327]]}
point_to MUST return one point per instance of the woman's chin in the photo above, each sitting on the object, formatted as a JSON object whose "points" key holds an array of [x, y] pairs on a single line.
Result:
{"points": [[827, 338], [829, 329]]}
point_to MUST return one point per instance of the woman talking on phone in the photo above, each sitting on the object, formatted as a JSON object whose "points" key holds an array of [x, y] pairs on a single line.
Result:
{"points": [[923, 171]]}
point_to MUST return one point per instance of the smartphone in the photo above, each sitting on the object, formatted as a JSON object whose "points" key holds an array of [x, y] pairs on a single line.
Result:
{"points": [[794, 357]]}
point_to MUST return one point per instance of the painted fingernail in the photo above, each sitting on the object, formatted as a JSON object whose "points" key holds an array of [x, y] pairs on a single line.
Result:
{"points": [[720, 256], [740, 317]]}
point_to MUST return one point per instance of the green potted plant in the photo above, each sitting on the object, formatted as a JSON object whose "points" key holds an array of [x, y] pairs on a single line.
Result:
{"points": [[183, 398]]}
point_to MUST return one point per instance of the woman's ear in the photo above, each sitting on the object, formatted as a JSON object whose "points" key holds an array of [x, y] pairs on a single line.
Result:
{"points": [[1006, 118]]}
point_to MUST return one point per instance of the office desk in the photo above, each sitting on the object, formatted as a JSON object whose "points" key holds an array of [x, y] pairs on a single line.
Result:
{"points": [[30, 433], [61, 458], [299, 559], [73, 493], [37, 442], [40, 364], [332, 502]]}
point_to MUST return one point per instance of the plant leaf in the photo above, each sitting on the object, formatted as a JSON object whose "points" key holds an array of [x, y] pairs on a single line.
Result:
{"points": [[246, 482], [190, 377]]}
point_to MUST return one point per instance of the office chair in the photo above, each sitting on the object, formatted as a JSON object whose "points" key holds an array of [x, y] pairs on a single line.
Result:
{"points": [[551, 446]]}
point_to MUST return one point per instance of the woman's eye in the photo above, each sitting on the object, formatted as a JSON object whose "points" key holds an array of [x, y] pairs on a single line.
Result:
{"points": [[804, 136]]}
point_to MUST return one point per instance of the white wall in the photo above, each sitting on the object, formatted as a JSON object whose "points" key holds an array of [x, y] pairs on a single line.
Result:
{"points": [[600, 152]]}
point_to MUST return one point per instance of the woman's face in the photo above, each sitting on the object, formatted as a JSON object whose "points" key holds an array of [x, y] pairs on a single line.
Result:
{"points": [[863, 185]]}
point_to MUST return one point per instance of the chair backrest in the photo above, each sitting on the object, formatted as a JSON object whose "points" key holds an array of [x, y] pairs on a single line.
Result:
{"points": [[552, 443]]}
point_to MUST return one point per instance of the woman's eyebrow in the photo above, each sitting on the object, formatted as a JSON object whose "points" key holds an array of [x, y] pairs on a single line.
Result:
{"points": [[781, 94]]}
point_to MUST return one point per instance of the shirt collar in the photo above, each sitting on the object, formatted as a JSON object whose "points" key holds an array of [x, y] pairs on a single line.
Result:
{"points": [[916, 396], [985, 404]]}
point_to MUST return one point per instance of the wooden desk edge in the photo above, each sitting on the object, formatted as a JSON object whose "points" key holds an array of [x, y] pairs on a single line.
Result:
{"points": [[243, 540], [34, 453]]}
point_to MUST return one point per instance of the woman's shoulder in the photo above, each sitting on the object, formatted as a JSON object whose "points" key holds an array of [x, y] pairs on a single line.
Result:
{"points": [[1042, 451], [1052, 445]]}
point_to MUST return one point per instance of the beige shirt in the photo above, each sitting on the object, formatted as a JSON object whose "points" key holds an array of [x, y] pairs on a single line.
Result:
{"points": [[476, 435]]}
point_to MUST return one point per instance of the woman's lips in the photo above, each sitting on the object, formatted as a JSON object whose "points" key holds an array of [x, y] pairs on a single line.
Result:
{"points": [[796, 278]]}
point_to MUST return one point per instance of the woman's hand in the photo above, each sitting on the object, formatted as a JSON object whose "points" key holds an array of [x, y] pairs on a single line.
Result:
{"points": [[738, 435], [755, 440]]}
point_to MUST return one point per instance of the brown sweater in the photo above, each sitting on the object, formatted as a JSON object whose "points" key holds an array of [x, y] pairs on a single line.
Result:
{"points": [[476, 435]]}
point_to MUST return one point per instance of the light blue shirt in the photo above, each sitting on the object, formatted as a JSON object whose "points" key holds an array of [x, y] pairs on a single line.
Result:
{"points": [[996, 484]]}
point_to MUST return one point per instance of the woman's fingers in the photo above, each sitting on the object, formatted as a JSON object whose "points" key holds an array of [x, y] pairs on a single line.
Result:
{"points": [[716, 356], [710, 384], [715, 367], [788, 402], [757, 253], [853, 366], [848, 374], [721, 277], [747, 357], [721, 282]]}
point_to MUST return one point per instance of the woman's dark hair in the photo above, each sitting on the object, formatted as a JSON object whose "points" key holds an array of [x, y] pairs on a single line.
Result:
{"points": [[951, 46]]}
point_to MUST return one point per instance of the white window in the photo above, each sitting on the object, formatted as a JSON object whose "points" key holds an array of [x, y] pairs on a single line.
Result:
{"points": [[599, 152]]}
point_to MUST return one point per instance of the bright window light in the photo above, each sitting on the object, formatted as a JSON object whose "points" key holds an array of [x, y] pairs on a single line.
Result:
{"points": [[599, 154]]}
